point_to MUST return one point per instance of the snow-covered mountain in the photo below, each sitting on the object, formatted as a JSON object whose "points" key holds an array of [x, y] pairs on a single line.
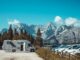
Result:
{"points": [[46, 30], [4, 30], [50, 30]]}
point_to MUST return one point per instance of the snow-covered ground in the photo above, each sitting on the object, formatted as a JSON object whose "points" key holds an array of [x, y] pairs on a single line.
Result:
{"points": [[72, 49], [18, 56]]}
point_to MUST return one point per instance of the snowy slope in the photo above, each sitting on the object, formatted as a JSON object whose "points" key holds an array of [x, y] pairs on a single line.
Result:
{"points": [[72, 49], [18, 56]]}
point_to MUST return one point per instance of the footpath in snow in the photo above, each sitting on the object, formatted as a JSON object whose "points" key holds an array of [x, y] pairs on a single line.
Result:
{"points": [[19, 56]]}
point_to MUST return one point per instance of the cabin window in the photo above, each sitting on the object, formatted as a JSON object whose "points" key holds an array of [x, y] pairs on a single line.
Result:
{"points": [[8, 42], [20, 42], [29, 45]]}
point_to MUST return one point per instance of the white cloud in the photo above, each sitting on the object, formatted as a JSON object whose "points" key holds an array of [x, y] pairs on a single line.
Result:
{"points": [[71, 21], [77, 24], [13, 22], [58, 20], [67, 21]]}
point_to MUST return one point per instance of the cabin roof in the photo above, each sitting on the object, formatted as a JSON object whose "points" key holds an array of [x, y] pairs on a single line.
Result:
{"points": [[27, 41]]}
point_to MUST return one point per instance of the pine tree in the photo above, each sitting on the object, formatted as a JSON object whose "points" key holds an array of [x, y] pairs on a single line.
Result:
{"points": [[15, 31], [25, 35], [38, 40], [1, 42], [16, 35], [25, 32], [10, 32], [39, 33], [21, 36], [31, 39], [0, 37], [21, 31]]}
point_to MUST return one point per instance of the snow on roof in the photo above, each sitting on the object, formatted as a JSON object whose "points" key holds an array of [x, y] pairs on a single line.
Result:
{"points": [[18, 41]]}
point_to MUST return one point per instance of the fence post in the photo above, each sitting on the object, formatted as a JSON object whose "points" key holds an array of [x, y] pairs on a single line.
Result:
{"points": [[69, 56], [75, 57], [62, 55]]}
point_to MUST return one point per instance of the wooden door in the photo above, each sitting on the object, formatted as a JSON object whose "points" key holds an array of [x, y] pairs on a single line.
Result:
{"points": [[21, 47]]}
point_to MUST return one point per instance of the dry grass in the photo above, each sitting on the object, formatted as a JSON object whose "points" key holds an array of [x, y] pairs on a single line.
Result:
{"points": [[49, 55]]}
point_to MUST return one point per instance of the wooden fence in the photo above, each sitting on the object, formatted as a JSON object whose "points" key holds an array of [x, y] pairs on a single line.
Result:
{"points": [[66, 56]]}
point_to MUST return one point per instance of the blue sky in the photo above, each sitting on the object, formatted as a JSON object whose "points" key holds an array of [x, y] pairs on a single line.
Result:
{"points": [[37, 11]]}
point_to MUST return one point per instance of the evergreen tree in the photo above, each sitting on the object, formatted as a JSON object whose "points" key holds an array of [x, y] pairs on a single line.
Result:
{"points": [[25, 32], [10, 32], [25, 35], [38, 40], [31, 39], [1, 42], [15, 31], [21, 31], [16, 34], [0, 37], [39, 33], [21, 34]]}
